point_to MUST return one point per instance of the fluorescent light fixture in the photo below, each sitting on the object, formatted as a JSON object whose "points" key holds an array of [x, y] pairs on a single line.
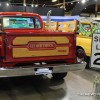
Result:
{"points": [[7, 4], [0, 4], [54, 0], [83, 1]]}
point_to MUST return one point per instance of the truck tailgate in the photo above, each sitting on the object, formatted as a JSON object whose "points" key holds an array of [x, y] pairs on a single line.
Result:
{"points": [[40, 47]]}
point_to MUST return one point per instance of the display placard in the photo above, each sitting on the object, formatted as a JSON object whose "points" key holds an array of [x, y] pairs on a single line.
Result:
{"points": [[95, 52]]}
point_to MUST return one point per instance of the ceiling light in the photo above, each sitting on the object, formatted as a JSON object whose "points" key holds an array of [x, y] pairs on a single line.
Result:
{"points": [[71, 2], [0, 4], [64, 8], [78, 2], [85, 8], [36, 5], [24, 4], [61, 6], [83, 1], [32, 5], [7, 4], [54, 0]]}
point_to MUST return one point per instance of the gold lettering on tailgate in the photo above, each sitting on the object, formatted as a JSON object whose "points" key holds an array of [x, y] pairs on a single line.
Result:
{"points": [[24, 52], [41, 45], [25, 40]]}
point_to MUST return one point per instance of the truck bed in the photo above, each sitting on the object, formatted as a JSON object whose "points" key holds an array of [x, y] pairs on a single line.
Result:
{"points": [[39, 46]]}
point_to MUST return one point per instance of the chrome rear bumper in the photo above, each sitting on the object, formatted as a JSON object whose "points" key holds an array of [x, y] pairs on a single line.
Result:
{"points": [[30, 70]]}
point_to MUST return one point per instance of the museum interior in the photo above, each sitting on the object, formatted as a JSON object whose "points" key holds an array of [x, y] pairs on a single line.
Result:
{"points": [[49, 50]]}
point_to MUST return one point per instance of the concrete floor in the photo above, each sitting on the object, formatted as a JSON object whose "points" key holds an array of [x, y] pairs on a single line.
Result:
{"points": [[72, 87]]}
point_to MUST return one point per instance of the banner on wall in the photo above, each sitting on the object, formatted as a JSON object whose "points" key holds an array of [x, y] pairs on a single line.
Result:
{"points": [[61, 18]]}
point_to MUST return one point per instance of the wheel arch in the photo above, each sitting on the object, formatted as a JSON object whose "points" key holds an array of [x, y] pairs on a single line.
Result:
{"points": [[79, 47]]}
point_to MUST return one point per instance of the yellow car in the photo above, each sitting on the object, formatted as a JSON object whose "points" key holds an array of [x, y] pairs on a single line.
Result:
{"points": [[83, 48], [84, 42]]}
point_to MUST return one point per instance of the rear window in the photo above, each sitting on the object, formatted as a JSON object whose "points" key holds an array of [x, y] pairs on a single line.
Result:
{"points": [[21, 22]]}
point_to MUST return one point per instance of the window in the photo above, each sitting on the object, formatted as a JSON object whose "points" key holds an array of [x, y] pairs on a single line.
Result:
{"points": [[87, 27], [71, 26], [37, 23], [21, 22]]}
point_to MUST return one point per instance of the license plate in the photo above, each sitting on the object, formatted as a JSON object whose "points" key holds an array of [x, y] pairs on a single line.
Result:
{"points": [[43, 71]]}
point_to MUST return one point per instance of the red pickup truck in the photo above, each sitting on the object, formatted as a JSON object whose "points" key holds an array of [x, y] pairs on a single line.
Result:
{"points": [[27, 49]]}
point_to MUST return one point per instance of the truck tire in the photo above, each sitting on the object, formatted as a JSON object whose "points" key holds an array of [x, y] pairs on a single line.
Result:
{"points": [[88, 63], [81, 56], [59, 76]]}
